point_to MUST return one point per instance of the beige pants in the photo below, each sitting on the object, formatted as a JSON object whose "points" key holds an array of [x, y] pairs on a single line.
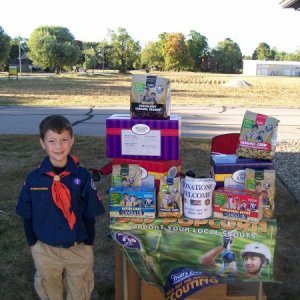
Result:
{"points": [[60, 270]]}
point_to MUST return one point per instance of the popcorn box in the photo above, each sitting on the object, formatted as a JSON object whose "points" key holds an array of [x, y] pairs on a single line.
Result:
{"points": [[153, 170], [237, 205], [150, 97], [138, 202], [142, 138], [228, 170]]}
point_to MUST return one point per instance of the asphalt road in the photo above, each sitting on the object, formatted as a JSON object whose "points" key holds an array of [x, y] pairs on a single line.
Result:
{"points": [[197, 121]]}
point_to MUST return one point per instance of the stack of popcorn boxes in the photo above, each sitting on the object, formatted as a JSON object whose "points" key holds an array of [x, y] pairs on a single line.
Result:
{"points": [[144, 147], [245, 181]]}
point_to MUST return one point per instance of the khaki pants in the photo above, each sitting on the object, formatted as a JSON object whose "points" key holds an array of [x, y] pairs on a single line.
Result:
{"points": [[63, 269]]}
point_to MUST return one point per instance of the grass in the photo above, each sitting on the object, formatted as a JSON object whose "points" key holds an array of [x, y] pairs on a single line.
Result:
{"points": [[19, 154], [107, 88]]}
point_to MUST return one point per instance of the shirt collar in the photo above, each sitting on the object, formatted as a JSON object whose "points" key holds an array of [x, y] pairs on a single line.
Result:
{"points": [[47, 167]]}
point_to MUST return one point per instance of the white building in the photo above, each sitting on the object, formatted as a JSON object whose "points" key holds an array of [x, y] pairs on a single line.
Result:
{"points": [[271, 68]]}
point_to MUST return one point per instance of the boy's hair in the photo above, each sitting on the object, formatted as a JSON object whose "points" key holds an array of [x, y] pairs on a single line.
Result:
{"points": [[56, 123]]}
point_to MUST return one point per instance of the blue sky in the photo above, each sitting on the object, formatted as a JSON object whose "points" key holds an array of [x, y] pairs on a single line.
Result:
{"points": [[246, 22]]}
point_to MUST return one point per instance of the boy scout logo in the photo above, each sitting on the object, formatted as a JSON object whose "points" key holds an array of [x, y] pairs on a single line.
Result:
{"points": [[93, 184], [77, 181]]}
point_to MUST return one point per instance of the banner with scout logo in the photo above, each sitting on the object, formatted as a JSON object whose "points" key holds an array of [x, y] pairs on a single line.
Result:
{"points": [[181, 256]]}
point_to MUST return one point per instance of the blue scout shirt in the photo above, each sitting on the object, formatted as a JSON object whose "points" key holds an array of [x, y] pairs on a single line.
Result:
{"points": [[48, 222]]}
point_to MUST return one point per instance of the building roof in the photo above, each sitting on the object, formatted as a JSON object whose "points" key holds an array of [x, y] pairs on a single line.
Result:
{"points": [[295, 4]]}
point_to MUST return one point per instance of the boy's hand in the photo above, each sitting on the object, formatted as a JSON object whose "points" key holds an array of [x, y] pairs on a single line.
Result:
{"points": [[227, 240]]}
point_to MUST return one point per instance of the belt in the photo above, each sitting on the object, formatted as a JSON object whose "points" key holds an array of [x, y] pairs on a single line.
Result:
{"points": [[68, 245]]}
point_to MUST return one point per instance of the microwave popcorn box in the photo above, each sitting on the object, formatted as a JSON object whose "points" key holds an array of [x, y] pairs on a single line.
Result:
{"points": [[237, 205], [150, 97], [228, 170], [138, 202], [142, 138], [153, 170]]}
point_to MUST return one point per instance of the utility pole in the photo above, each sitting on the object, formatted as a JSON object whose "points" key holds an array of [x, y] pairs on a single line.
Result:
{"points": [[20, 59]]}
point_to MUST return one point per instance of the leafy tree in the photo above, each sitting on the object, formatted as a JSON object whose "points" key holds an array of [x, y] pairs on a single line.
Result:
{"points": [[125, 50], [228, 56], [151, 55], [198, 48], [4, 46], [90, 58], [176, 52], [264, 52], [53, 47], [14, 49]]}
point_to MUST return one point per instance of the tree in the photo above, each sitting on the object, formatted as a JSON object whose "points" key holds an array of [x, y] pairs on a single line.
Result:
{"points": [[264, 52], [151, 56], [198, 48], [125, 50], [228, 56], [176, 52], [4, 46], [53, 47]]}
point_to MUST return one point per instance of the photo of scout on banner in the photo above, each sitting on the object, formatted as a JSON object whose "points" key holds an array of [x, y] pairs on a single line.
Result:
{"points": [[182, 256]]}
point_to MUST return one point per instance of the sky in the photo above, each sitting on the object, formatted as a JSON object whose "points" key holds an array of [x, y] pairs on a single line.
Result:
{"points": [[246, 22]]}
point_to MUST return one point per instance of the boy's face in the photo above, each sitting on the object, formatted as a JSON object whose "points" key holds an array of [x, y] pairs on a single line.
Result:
{"points": [[252, 264], [57, 146]]}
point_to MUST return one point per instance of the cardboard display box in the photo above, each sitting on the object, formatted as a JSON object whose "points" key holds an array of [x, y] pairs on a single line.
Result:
{"points": [[228, 170], [150, 97], [153, 169], [142, 138], [138, 202]]}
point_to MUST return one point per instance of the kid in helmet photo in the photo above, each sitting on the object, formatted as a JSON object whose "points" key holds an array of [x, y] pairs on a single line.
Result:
{"points": [[255, 256]]}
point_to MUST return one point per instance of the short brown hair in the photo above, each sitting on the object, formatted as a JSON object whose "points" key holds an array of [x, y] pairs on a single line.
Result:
{"points": [[56, 123]]}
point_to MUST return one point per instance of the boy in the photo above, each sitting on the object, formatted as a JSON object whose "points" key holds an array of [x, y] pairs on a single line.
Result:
{"points": [[255, 256], [59, 203]]}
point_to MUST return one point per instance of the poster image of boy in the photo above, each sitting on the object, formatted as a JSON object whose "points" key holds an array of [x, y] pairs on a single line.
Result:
{"points": [[255, 256], [252, 135], [258, 187], [236, 204], [146, 96], [139, 202], [228, 256], [243, 205], [173, 203], [153, 98], [124, 181], [264, 198], [166, 200], [229, 202], [125, 201]]}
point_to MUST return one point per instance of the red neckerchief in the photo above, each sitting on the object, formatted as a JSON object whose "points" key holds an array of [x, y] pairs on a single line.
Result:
{"points": [[62, 197]]}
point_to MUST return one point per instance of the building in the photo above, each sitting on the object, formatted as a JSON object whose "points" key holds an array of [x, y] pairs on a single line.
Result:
{"points": [[271, 68]]}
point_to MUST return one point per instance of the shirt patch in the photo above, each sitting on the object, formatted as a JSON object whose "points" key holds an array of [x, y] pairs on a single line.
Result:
{"points": [[77, 181], [93, 184], [39, 189]]}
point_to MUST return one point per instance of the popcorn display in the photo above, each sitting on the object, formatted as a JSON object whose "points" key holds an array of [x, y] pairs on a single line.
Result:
{"points": [[237, 205], [137, 202], [150, 97], [258, 136], [262, 182], [228, 170], [142, 138]]}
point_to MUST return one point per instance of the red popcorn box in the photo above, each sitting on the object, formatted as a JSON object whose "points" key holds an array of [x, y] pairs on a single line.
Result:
{"points": [[153, 170], [148, 139], [237, 205]]}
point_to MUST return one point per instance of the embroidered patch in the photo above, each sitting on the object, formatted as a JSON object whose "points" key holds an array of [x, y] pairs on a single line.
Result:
{"points": [[93, 184], [77, 181]]}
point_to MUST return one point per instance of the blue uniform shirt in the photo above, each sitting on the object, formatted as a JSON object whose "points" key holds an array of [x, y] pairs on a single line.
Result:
{"points": [[48, 222]]}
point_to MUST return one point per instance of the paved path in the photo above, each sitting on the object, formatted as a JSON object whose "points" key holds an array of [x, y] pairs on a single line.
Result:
{"points": [[197, 121]]}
